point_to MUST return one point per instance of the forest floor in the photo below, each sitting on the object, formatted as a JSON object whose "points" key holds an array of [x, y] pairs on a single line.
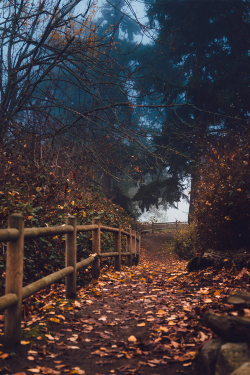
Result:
{"points": [[146, 319]]}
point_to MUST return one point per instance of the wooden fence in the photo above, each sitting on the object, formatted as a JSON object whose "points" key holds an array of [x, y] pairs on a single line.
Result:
{"points": [[15, 235], [160, 226]]}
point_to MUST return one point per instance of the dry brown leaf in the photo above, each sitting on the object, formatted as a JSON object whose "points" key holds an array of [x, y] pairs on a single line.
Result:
{"points": [[5, 355], [132, 339]]}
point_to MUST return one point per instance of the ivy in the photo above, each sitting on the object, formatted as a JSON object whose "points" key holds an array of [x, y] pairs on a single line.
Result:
{"points": [[35, 192]]}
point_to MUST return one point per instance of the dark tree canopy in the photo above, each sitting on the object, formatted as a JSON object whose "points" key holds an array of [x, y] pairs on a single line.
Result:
{"points": [[204, 63]]}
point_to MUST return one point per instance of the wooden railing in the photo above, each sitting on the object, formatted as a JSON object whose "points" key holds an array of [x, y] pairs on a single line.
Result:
{"points": [[15, 235], [159, 226]]}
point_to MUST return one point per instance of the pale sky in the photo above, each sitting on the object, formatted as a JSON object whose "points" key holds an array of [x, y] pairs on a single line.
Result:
{"points": [[169, 215]]}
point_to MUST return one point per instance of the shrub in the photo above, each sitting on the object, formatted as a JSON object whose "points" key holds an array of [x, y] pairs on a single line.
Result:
{"points": [[44, 198], [222, 205], [184, 241]]}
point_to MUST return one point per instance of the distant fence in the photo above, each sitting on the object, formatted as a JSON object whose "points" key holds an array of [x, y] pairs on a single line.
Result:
{"points": [[160, 226], [15, 235]]}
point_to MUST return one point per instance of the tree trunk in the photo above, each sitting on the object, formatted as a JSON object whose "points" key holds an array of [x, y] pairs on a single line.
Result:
{"points": [[195, 179]]}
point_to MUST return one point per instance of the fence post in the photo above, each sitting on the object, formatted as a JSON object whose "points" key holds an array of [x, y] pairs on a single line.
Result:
{"points": [[96, 248], [135, 247], [117, 248], [134, 241], [129, 249], [14, 282], [176, 224], [139, 248], [71, 258], [153, 227]]}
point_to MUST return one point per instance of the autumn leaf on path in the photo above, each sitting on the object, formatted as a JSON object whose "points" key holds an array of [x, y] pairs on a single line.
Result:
{"points": [[55, 320], [165, 327], [5, 355], [132, 339]]}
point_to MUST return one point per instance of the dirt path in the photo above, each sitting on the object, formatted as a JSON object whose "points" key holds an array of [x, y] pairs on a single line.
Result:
{"points": [[155, 246], [131, 322]]}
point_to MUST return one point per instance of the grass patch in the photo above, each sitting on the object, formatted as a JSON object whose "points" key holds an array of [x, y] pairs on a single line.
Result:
{"points": [[169, 244], [32, 332]]}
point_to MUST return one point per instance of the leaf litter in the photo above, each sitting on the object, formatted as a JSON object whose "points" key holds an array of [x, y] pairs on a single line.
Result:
{"points": [[146, 317]]}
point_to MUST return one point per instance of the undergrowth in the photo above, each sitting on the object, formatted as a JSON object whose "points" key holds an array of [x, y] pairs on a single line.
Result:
{"points": [[184, 240], [46, 198]]}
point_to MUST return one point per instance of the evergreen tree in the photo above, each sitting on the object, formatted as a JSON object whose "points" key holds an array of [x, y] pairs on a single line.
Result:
{"points": [[207, 45]]}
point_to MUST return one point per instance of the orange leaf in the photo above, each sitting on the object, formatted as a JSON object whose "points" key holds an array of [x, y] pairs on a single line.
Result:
{"points": [[5, 355]]}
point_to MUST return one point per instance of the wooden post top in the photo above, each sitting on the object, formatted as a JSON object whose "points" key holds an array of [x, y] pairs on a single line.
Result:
{"points": [[16, 215], [15, 218], [71, 220]]}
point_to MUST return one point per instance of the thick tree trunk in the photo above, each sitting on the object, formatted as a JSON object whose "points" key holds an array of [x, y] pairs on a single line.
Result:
{"points": [[195, 179]]}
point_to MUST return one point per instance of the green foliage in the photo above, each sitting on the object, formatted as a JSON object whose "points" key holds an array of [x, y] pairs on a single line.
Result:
{"points": [[122, 200], [210, 51], [184, 241], [32, 189], [199, 57], [222, 205], [165, 189]]}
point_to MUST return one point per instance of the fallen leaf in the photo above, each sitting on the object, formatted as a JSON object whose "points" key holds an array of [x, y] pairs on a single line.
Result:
{"points": [[103, 318], [60, 366], [55, 320], [161, 312], [175, 344], [73, 347], [246, 312], [35, 370], [5, 355], [132, 339], [50, 337], [77, 370], [204, 291], [163, 329], [171, 323], [61, 317], [203, 337], [187, 308]]}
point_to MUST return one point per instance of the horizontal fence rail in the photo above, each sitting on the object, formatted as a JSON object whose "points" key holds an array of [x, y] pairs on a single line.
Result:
{"points": [[47, 231], [15, 235], [145, 227], [9, 235]]}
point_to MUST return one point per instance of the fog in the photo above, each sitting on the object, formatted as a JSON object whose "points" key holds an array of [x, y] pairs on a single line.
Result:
{"points": [[171, 214]]}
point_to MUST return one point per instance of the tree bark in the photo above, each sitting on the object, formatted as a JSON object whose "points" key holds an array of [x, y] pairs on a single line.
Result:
{"points": [[195, 179]]}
